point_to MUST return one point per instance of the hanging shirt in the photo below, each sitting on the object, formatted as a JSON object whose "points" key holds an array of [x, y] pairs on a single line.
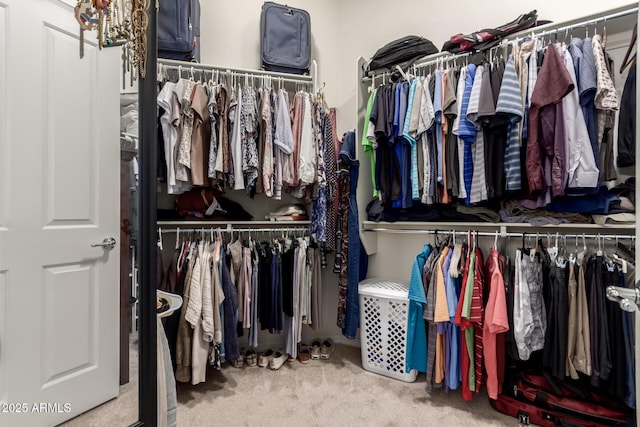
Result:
{"points": [[416, 357], [437, 106], [462, 190], [427, 122], [169, 133], [213, 142], [510, 104], [368, 139], [546, 127], [201, 137], [441, 313], [478, 183], [415, 192], [236, 144], [496, 322], [587, 85], [184, 148], [308, 159], [467, 131], [582, 169]]}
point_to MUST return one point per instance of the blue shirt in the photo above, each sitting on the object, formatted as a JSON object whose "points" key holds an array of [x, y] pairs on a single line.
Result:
{"points": [[467, 131], [416, 357]]}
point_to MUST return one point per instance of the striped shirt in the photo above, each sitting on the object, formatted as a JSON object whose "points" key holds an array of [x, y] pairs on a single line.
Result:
{"points": [[462, 191], [477, 318], [510, 103], [467, 131], [478, 181], [415, 192], [437, 105], [427, 120]]}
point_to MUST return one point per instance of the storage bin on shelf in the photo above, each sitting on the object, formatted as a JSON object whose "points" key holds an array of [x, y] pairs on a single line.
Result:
{"points": [[384, 314]]}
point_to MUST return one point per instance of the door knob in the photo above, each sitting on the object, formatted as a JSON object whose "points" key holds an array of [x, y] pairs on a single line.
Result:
{"points": [[108, 243]]}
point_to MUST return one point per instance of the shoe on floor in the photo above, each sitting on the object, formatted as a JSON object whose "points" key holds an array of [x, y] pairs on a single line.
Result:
{"points": [[265, 358], [304, 353], [239, 362], [250, 358], [278, 360], [316, 347], [327, 348]]}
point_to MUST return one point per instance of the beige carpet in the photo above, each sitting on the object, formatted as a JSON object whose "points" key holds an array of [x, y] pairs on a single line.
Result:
{"points": [[336, 392]]}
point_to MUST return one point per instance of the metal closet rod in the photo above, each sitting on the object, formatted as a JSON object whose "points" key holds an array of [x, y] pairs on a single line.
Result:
{"points": [[234, 230], [447, 56], [497, 233], [239, 72]]}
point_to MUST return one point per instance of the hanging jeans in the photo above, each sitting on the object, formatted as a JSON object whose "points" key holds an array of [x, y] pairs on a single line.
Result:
{"points": [[352, 318]]}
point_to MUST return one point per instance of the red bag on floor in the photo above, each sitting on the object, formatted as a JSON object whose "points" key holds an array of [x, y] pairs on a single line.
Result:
{"points": [[537, 399]]}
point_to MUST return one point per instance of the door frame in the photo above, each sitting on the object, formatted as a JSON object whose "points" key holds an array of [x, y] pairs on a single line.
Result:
{"points": [[147, 226]]}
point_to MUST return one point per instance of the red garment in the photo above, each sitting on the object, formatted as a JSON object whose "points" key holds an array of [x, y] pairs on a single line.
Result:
{"points": [[546, 134], [465, 360], [496, 322], [477, 317]]}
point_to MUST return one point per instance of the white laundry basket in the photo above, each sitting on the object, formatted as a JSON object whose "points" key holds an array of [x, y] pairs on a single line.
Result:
{"points": [[384, 314]]}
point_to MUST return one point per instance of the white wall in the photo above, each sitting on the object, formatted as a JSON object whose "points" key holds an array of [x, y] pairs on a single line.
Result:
{"points": [[341, 32]]}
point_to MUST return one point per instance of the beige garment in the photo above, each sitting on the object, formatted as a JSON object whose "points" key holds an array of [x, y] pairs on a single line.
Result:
{"points": [[194, 308], [201, 137], [183, 343], [200, 347], [218, 294], [572, 328], [521, 56], [207, 295], [184, 150], [582, 352], [162, 379], [619, 218]]}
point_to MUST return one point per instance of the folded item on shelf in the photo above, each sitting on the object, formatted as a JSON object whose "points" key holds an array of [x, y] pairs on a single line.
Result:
{"points": [[615, 219], [514, 212], [295, 212], [428, 213], [599, 203], [626, 189], [205, 203], [482, 213]]}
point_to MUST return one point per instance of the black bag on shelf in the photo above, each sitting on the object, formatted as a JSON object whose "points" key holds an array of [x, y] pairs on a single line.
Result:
{"points": [[285, 39], [489, 37], [403, 52]]}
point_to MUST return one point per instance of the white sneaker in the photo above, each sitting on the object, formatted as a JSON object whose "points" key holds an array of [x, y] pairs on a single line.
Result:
{"points": [[278, 360]]}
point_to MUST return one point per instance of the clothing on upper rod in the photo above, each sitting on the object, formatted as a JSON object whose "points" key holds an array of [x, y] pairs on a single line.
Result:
{"points": [[480, 132], [242, 133]]}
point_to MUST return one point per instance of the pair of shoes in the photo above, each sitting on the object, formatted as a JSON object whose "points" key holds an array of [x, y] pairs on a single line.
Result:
{"points": [[322, 349], [304, 353], [327, 348], [279, 357], [316, 346], [250, 358], [239, 362], [265, 358]]}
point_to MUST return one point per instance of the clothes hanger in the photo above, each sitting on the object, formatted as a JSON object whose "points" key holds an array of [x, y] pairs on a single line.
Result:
{"points": [[160, 238], [632, 43]]}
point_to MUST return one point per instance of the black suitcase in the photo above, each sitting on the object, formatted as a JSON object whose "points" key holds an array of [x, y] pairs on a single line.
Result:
{"points": [[179, 30], [285, 39]]}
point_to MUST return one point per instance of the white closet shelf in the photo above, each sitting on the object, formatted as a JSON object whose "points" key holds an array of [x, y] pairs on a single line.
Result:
{"points": [[409, 226], [200, 224]]}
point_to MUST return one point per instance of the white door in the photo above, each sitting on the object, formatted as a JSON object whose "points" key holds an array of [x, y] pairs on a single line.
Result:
{"points": [[59, 192]]}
